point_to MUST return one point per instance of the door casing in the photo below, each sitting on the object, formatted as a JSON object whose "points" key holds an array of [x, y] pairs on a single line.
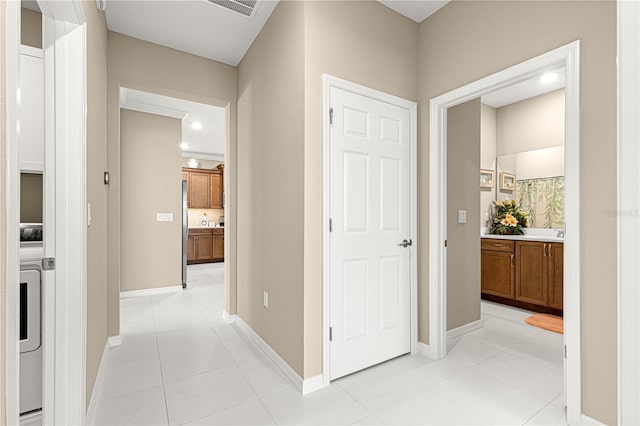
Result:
{"points": [[328, 82], [569, 57]]}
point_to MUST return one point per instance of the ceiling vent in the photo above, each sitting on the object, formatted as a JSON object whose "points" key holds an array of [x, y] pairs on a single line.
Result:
{"points": [[246, 8]]}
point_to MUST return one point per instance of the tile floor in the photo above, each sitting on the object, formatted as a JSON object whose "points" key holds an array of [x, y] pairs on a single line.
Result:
{"points": [[179, 363]]}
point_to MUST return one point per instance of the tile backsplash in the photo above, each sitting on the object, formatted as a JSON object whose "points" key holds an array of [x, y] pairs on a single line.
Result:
{"points": [[196, 215]]}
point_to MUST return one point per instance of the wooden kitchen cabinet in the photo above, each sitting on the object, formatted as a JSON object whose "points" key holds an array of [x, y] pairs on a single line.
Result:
{"points": [[218, 244], [497, 266], [204, 188], [205, 245], [526, 274]]}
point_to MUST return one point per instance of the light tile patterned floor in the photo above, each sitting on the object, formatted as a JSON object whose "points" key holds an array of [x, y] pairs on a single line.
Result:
{"points": [[179, 363]]}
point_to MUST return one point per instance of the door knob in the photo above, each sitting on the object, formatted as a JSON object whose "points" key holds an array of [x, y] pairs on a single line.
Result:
{"points": [[406, 243]]}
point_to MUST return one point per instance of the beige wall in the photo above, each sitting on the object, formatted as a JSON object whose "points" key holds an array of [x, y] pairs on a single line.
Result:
{"points": [[151, 252], [149, 67], [455, 49], [3, 205], [270, 179], [531, 124], [96, 190], [31, 28], [487, 159], [366, 43], [463, 240], [30, 198]]}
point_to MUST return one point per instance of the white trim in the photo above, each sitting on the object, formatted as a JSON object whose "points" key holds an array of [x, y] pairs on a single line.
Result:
{"points": [[628, 212], [328, 82], [588, 421], [31, 419], [424, 349], [12, 213], [127, 103], [464, 329], [150, 291], [304, 386], [203, 156], [31, 51], [227, 317], [567, 56], [114, 341]]}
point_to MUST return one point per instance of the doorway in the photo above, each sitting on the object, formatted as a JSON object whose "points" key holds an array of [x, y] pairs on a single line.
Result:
{"points": [[567, 57], [370, 287]]}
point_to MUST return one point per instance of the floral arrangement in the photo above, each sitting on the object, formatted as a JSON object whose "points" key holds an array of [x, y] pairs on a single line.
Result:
{"points": [[509, 219]]}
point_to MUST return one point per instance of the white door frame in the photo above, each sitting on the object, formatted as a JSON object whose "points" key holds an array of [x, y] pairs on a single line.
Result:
{"points": [[329, 82], [568, 56], [64, 331], [628, 212]]}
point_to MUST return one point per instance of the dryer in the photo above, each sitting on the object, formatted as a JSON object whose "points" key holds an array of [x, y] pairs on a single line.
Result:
{"points": [[30, 314]]}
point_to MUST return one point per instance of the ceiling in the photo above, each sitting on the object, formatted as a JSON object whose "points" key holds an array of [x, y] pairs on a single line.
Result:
{"points": [[206, 143], [205, 29], [523, 90], [193, 26]]}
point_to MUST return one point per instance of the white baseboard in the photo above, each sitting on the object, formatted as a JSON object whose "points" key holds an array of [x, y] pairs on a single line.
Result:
{"points": [[114, 341], [150, 291], [98, 386], [228, 318], [424, 349], [304, 386], [31, 419], [464, 329], [588, 421]]}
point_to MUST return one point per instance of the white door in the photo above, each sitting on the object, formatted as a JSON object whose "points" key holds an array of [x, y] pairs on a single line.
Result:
{"points": [[370, 149]]}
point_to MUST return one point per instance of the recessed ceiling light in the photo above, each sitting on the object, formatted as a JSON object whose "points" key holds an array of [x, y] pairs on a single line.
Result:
{"points": [[184, 145], [196, 125], [548, 77]]}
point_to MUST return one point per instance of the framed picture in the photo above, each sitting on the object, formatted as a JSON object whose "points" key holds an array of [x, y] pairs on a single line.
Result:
{"points": [[507, 181], [486, 178]]}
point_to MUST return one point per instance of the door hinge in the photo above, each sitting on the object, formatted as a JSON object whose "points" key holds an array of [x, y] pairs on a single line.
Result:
{"points": [[331, 116], [565, 351], [330, 334], [48, 263], [330, 225], [445, 243]]}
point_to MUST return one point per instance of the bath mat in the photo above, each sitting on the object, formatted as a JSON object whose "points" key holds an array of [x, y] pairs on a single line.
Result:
{"points": [[547, 322]]}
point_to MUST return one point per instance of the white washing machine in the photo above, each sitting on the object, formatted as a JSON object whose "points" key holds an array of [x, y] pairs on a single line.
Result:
{"points": [[30, 313]]}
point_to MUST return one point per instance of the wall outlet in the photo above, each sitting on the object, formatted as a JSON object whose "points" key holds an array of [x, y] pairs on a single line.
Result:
{"points": [[462, 216], [265, 299]]}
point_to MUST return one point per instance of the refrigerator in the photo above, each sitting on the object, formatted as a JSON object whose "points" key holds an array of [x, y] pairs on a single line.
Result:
{"points": [[185, 233]]}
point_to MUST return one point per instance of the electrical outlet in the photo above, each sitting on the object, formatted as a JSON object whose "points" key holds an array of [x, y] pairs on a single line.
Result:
{"points": [[265, 299]]}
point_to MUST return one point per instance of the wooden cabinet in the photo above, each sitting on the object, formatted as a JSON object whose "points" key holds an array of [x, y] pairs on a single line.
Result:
{"points": [[527, 274], [204, 188], [497, 266], [555, 275], [218, 244], [205, 245]]}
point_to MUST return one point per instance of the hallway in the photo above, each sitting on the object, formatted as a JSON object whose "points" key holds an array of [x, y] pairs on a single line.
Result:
{"points": [[179, 363]]}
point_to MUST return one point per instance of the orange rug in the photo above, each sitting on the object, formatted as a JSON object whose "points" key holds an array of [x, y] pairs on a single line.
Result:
{"points": [[547, 322]]}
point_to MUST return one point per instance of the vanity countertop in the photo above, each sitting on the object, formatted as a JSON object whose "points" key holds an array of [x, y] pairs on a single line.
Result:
{"points": [[531, 234]]}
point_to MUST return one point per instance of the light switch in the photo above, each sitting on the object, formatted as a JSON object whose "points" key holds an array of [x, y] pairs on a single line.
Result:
{"points": [[164, 217], [462, 216]]}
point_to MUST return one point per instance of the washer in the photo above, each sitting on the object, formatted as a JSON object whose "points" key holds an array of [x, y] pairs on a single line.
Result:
{"points": [[30, 314]]}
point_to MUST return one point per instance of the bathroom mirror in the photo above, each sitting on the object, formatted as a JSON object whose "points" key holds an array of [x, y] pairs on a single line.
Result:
{"points": [[539, 185]]}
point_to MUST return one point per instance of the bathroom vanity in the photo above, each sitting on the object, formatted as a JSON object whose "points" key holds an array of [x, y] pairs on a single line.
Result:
{"points": [[525, 271]]}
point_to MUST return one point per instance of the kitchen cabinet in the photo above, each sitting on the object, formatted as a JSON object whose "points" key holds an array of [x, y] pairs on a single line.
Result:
{"points": [[526, 274], [31, 110], [218, 244], [204, 188], [497, 266], [205, 245]]}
